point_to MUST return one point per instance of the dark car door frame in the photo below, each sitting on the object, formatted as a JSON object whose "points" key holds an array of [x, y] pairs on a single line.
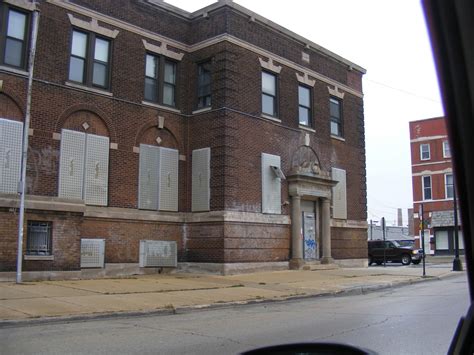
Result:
{"points": [[451, 27]]}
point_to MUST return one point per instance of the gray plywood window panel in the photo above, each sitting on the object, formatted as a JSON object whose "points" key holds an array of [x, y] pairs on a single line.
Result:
{"points": [[271, 184], [71, 164], [201, 173], [339, 194], [148, 177], [11, 137], [92, 253], [96, 175], [168, 179]]}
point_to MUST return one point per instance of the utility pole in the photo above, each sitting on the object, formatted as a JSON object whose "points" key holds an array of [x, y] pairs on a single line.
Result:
{"points": [[24, 155], [384, 244], [371, 231], [457, 264], [422, 226]]}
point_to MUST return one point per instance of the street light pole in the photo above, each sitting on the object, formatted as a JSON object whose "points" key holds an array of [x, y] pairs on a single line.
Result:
{"points": [[24, 156], [457, 265]]}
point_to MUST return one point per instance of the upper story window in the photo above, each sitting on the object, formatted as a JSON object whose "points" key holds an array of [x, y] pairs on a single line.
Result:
{"points": [[13, 37], [425, 151], [90, 60], [204, 85], [269, 94], [426, 181], [304, 105], [160, 80], [335, 112], [446, 150], [449, 185]]}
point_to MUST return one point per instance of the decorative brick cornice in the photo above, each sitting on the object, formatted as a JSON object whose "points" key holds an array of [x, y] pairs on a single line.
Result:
{"points": [[163, 50], [335, 92], [305, 79], [93, 26], [269, 65]]}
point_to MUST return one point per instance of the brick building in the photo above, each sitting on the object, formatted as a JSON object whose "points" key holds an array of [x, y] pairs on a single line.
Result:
{"points": [[432, 178], [218, 130]]}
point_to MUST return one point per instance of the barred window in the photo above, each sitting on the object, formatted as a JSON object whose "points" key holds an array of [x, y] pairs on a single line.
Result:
{"points": [[39, 238]]}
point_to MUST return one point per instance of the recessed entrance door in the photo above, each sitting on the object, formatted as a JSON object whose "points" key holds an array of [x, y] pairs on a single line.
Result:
{"points": [[309, 236]]}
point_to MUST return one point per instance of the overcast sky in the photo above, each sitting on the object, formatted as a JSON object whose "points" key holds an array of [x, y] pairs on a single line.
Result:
{"points": [[389, 39]]}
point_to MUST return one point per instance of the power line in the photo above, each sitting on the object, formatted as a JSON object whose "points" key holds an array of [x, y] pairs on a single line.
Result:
{"points": [[403, 91]]}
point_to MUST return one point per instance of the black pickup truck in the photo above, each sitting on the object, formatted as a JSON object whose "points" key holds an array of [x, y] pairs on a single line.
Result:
{"points": [[393, 251]]}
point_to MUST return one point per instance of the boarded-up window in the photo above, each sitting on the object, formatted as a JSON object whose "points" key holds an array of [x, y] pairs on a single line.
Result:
{"points": [[271, 184], [339, 195], [168, 180], [11, 133], [84, 167], [148, 178], [201, 179], [96, 170], [158, 178]]}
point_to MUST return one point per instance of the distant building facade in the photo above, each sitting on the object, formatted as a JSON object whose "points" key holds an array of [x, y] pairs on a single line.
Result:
{"points": [[219, 131], [433, 185]]}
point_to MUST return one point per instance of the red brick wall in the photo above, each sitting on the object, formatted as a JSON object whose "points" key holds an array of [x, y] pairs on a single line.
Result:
{"points": [[233, 129]]}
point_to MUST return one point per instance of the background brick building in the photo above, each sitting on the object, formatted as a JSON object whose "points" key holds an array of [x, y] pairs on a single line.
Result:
{"points": [[151, 123], [432, 178]]}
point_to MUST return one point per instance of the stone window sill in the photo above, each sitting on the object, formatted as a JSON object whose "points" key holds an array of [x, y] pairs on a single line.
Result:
{"points": [[338, 138], [161, 107], [271, 118], [201, 110], [87, 88], [39, 257], [306, 128]]}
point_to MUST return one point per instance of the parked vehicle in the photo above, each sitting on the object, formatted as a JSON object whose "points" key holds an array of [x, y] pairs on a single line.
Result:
{"points": [[406, 242], [391, 250]]}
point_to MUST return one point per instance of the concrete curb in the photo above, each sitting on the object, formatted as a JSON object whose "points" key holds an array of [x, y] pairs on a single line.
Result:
{"points": [[349, 291]]}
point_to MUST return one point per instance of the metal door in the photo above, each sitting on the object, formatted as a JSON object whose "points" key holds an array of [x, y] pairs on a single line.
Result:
{"points": [[309, 236]]}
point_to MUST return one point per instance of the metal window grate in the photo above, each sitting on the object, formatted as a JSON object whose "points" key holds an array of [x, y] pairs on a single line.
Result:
{"points": [[39, 238]]}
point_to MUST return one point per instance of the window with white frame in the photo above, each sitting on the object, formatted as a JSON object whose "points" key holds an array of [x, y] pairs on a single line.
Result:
{"points": [[449, 185], [425, 151], [11, 137], [446, 150], [426, 183], [158, 178], [90, 59], [84, 167], [269, 94], [14, 25]]}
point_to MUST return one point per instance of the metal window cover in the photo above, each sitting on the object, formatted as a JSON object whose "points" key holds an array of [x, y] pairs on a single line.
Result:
{"points": [[200, 191], [339, 194], [271, 186], [158, 253], [11, 138], [148, 177], [92, 253], [71, 164], [96, 170], [168, 179]]}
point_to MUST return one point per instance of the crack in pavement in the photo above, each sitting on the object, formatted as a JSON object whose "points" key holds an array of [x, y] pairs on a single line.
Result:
{"points": [[354, 329], [187, 332]]}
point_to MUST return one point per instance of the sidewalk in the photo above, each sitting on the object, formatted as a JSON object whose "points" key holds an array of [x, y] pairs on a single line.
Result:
{"points": [[173, 292]]}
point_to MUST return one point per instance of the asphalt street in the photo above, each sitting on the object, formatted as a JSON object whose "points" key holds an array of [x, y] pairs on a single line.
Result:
{"points": [[413, 319]]}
